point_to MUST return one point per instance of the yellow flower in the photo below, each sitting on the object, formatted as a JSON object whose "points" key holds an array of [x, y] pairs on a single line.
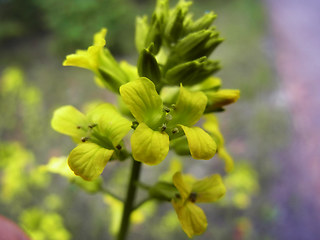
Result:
{"points": [[88, 58], [191, 191], [108, 72]]}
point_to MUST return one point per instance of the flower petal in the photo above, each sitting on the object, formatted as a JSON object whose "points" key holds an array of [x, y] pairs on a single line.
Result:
{"points": [[68, 120], [201, 145], [88, 160], [143, 101], [209, 189], [189, 107], [192, 218], [110, 124], [148, 146], [99, 38], [219, 99], [183, 188], [225, 156]]}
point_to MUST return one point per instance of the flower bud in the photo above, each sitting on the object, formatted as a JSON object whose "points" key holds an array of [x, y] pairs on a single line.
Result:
{"points": [[216, 100], [148, 66], [174, 25], [154, 34], [193, 46], [202, 23], [142, 28], [192, 72]]}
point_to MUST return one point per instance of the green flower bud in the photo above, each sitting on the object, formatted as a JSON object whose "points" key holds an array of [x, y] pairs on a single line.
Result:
{"points": [[148, 66], [174, 26], [142, 28], [193, 46], [202, 23], [154, 34], [192, 72]]}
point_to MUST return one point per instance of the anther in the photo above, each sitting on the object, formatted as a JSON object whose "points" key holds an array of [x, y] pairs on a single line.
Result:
{"points": [[166, 109], [84, 139], [92, 125], [134, 125], [193, 197], [163, 128], [118, 147], [175, 130], [78, 127]]}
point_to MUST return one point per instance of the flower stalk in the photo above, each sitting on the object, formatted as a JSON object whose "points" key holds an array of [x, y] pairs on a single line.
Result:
{"points": [[128, 205]]}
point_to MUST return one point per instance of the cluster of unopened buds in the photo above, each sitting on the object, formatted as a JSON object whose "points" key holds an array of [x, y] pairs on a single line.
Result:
{"points": [[161, 101]]}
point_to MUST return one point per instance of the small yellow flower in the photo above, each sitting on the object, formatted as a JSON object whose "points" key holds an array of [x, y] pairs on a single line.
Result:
{"points": [[191, 191], [88, 58]]}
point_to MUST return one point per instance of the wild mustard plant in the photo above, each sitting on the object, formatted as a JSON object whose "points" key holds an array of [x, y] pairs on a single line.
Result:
{"points": [[161, 101]]}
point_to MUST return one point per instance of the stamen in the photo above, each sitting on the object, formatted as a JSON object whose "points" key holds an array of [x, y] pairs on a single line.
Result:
{"points": [[118, 147], [92, 125], [175, 130], [166, 109], [193, 197], [84, 139], [163, 128]]}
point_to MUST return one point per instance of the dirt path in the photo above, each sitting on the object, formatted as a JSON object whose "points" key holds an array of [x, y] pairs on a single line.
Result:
{"points": [[296, 37]]}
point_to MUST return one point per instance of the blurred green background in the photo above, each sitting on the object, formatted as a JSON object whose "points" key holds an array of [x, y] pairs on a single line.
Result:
{"points": [[36, 35]]}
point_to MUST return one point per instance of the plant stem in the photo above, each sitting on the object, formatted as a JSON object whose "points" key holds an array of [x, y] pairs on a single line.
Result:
{"points": [[128, 205]]}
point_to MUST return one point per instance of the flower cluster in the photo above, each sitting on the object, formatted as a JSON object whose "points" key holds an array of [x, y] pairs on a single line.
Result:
{"points": [[162, 100]]}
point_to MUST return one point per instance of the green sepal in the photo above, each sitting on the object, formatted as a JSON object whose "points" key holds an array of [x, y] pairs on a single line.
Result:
{"points": [[143, 101], [88, 160], [148, 66], [180, 146], [174, 26], [192, 72], [142, 28], [90, 187], [154, 34], [210, 84], [202, 23], [130, 70], [194, 46], [110, 72], [163, 191]]}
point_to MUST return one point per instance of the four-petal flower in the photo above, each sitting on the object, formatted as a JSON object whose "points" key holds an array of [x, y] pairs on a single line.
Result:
{"points": [[159, 124], [98, 133], [191, 191]]}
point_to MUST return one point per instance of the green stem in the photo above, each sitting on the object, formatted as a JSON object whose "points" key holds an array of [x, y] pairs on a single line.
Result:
{"points": [[128, 205]]}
